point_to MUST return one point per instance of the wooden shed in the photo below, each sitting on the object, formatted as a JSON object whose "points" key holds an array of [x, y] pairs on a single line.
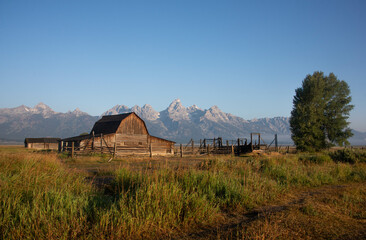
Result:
{"points": [[123, 134], [42, 143]]}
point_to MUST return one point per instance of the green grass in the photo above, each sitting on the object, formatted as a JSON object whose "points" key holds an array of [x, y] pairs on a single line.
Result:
{"points": [[41, 197]]}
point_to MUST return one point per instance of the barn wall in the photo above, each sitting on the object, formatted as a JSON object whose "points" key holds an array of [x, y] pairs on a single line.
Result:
{"points": [[43, 145], [125, 144], [131, 144], [87, 144], [131, 138], [161, 146], [132, 125], [38, 146]]}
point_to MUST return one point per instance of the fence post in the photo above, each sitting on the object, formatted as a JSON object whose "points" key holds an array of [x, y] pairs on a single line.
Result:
{"points": [[115, 145], [238, 146], [101, 143], [114, 149], [192, 146], [208, 149], [60, 146], [72, 149], [232, 150], [276, 143], [181, 150], [150, 149], [251, 141], [93, 142]]}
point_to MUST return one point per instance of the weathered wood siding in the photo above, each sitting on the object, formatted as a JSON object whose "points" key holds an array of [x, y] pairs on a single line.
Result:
{"points": [[161, 146], [127, 144], [89, 144], [132, 125], [42, 145], [130, 138]]}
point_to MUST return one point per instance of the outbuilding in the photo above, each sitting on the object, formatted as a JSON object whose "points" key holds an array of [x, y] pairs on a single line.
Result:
{"points": [[122, 134], [42, 143]]}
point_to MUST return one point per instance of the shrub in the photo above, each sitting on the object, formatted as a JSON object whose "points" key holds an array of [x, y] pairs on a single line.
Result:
{"points": [[315, 158], [344, 155], [361, 155]]}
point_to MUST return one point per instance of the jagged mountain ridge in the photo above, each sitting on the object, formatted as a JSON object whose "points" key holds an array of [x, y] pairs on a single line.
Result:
{"points": [[176, 123], [41, 121], [181, 123]]}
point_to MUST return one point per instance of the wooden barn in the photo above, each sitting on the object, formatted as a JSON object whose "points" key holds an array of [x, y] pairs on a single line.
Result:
{"points": [[123, 134], [42, 143]]}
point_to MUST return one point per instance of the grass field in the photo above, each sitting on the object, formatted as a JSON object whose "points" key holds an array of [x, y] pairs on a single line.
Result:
{"points": [[269, 196]]}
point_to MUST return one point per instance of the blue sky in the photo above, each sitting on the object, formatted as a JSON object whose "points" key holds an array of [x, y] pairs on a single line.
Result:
{"points": [[246, 57]]}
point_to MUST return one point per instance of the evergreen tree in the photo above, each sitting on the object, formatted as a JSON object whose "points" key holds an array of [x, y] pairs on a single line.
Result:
{"points": [[320, 112]]}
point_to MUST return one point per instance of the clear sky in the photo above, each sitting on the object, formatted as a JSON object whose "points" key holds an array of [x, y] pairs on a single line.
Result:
{"points": [[246, 57]]}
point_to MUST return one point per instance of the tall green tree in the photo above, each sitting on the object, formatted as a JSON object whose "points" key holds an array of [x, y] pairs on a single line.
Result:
{"points": [[321, 107]]}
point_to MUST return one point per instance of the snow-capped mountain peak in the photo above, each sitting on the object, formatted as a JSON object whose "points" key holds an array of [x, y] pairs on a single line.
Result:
{"points": [[216, 115], [193, 108], [43, 109], [176, 111], [118, 109], [146, 112], [41, 105], [77, 112], [176, 122], [175, 105]]}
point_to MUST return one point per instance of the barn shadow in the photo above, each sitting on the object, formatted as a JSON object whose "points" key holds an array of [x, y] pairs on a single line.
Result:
{"points": [[109, 191], [104, 199]]}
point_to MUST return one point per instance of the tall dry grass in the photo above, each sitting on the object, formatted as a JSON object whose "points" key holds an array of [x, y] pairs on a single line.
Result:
{"points": [[42, 198]]}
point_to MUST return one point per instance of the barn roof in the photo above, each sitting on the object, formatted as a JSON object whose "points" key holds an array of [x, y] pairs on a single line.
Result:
{"points": [[109, 124], [77, 138], [42, 140], [162, 139]]}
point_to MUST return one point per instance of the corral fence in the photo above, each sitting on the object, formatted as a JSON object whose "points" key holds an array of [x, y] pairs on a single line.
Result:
{"points": [[91, 146], [238, 146], [100, 144]]}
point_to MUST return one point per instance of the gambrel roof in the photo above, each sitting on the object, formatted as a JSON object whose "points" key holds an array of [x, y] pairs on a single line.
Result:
{"points": [[109, 124]]}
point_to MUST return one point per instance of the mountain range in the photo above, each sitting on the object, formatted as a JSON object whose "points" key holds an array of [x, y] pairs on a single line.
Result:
{"points": [[177, 123]]}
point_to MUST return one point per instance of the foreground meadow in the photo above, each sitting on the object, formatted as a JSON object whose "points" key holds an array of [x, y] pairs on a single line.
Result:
{"points": [[46, 195]]}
